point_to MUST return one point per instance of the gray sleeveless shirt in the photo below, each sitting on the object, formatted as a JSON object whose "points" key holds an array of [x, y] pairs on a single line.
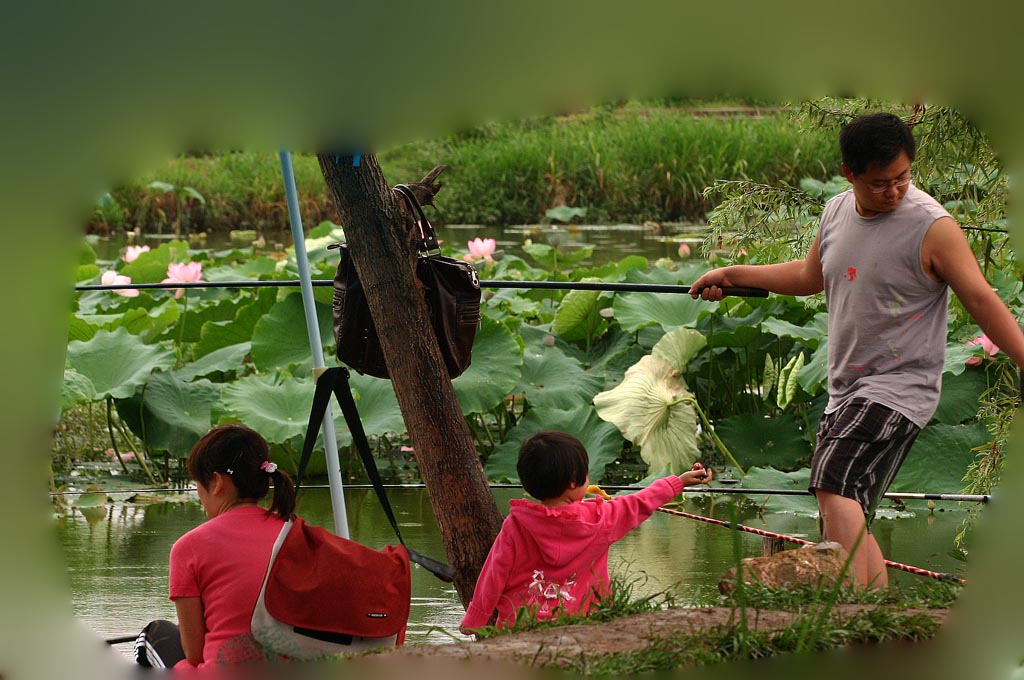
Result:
{"points": [[886, 319]]}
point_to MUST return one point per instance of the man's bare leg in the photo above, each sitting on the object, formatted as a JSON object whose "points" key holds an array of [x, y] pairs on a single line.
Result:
{"points": [[844, 523]]}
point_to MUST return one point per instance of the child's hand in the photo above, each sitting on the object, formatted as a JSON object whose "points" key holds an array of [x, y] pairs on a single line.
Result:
{"points": [[698, 475]]}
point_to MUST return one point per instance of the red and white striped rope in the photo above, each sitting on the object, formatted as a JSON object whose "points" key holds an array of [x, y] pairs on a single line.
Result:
{"points": [[793, 539]]}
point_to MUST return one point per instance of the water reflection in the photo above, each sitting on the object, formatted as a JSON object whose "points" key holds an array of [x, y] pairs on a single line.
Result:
{"points": [[117, 566], [610, 242]]}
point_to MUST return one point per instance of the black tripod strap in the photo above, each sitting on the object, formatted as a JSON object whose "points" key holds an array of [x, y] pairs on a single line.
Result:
{"points": [[336, 380]]}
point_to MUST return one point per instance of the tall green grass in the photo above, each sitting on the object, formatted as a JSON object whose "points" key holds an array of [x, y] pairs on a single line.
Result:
{"points": [[624, 164]]}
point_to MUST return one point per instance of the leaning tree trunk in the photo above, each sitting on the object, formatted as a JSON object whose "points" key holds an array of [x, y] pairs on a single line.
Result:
{"points": [[379, 236]]}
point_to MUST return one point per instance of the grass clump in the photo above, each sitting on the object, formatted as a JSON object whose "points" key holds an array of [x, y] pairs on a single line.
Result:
{"points": [[626, 162], [724, 644], [798, 598]]}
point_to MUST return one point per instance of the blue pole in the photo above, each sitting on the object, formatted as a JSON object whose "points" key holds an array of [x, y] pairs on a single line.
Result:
{"points": [[313, 330]]}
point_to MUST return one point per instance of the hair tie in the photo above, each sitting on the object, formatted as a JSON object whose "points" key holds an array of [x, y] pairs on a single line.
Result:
{"points": [[268, 467]]}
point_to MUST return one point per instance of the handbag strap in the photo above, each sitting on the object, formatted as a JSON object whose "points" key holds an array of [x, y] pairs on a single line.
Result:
{"points": [[428, 239], [335, 380]]}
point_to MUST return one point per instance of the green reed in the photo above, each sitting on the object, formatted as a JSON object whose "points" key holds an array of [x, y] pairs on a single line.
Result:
{"points": [[627, 163]]}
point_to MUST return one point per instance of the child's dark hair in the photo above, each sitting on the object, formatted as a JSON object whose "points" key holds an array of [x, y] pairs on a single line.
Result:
{"points": [[875, 138], [239, 452], [549, 462]]}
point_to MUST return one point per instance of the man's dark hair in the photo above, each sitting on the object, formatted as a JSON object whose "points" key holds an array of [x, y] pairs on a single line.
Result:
{"points": [[549, 462], [875, 138]]}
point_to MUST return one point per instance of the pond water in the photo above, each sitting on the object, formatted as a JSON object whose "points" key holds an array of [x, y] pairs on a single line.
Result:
{"points": [[610, 242], [117, 563]]}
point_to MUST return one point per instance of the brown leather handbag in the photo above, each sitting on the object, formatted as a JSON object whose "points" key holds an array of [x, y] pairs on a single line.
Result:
{"points": [[451, 289]]}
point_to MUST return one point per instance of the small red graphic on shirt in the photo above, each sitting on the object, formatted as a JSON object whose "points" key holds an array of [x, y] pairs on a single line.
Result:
{"points": [[851, 273]]}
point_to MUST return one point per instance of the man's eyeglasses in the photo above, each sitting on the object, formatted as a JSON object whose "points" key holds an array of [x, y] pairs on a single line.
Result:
{"points": [[882, 187]]}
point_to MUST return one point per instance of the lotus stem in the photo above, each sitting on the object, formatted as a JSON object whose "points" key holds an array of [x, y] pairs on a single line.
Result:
{"points": [[719, 444], [139, 457], [110, 430], [487, 431]]}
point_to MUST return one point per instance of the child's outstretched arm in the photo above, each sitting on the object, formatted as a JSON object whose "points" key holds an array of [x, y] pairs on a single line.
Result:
{"points": [[627, 512], [698, 475]]}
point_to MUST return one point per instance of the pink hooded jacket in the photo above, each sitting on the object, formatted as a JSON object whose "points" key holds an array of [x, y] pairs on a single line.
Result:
{"points": [[548, 558]]}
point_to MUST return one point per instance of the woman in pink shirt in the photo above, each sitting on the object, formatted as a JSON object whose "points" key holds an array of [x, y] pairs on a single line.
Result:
{"points": [[552, 556], [216, 569]]}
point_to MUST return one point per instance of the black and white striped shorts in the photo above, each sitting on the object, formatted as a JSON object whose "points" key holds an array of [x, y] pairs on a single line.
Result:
{"points": [[861, 446]]}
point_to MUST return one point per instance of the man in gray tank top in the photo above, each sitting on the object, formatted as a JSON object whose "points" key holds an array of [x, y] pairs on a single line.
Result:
{"points": [[886, 255]]}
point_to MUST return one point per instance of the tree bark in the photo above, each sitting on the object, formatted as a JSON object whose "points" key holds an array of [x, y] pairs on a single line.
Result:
{"points": [[380, 240]]}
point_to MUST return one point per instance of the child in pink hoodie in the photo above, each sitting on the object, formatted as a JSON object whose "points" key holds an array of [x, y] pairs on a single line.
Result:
{"points": [[553, 555]]}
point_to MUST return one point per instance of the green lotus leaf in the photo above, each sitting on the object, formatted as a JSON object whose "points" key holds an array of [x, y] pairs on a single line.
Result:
{"points": [[254, 268], [769, 376], [161, 186], [957, 355], [683, 275], [517, 305], [961, 395], [94, 497], [609, 358], [94, 514], [611, 271], [149, 324], [76, 389], [564, 213], [636, 310], [277, 410], [134, 362], [151, 266], [218, 334], [86, 272], [602, 441], [579, 316], [650, 409], [551, 378], [327, 228], [677, 347], [280, 340], [554, 259], [80, 329], [192, 193], [86, 255], [227, 361], [170, 414], [323, 295], [495, 369], [377, 406], [770, 478], [190, 326], [742, 337], [939, 458], [809, 334], [812, 376], [757, 441], [786, 388]]}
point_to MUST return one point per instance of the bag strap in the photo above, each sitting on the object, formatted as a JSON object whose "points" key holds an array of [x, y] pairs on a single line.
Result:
{"points": [[428, 239], [335, 380]]}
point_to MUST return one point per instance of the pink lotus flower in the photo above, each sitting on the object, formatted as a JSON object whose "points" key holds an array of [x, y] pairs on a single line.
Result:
{"points": [[480, 249], [987, 345], [112, 278], [126, 456], [183, 273], [684, 250], [131, 253]]}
